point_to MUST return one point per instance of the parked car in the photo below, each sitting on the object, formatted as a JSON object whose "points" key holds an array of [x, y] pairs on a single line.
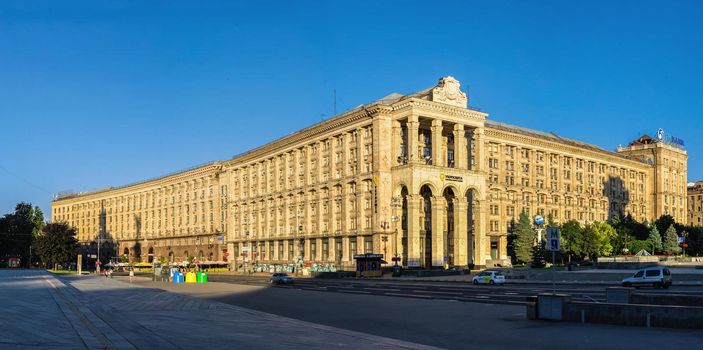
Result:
{"points": [[281, 278], [489, 277], [657, 277]]}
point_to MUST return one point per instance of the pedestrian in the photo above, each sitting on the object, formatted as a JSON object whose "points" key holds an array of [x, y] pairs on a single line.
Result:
{"points": [[131, 274]]}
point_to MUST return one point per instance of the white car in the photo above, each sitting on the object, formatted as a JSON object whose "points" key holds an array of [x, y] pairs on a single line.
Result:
{"points": [[657, 277], [489, 277]]}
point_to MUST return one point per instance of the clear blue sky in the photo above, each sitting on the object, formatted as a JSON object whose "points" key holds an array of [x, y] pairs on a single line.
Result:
{"points": [[103, 93]]}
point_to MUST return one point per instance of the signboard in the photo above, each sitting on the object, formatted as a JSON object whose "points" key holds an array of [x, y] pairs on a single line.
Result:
{"points": [[220, 238], [93, 256], [246, 249], [454, 178], [396, 259], [679, 239], [670, 140], [553, 241]]}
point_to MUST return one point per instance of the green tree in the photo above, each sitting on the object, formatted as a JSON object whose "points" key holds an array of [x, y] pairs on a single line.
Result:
{"points": [[664, 222], [604, 237], [671, 243], [18, 229], [572, 238], [524, 239], [589, 242], [655, 239], [539, 255], [56, 244]]}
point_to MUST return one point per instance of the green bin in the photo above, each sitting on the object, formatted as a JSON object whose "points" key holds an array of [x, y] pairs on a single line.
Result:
{"points": [[202, 277]]}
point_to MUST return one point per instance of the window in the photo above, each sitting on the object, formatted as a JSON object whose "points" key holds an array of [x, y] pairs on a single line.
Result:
{"points": [[652, 273], [352, 246]]}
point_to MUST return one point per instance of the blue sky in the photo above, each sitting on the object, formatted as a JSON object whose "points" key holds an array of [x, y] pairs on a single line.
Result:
{"points": [[97, 93]]}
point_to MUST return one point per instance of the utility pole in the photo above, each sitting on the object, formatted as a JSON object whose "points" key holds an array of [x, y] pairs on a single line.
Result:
{"points": [[97, 261]]}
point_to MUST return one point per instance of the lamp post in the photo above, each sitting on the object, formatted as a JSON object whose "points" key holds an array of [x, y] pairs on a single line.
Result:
{"points": [[301, 240], [97, 261], [396, 202]]}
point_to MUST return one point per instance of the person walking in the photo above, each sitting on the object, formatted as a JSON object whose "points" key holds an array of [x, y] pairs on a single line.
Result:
{"points": [[131, 274]]}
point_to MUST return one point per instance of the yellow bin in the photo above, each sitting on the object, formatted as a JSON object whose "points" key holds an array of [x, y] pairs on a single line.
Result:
{"points": [[191, 278]]}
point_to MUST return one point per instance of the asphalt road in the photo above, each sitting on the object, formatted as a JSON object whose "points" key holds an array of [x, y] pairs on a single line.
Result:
{"points": [[429, 314], [511, 294]]}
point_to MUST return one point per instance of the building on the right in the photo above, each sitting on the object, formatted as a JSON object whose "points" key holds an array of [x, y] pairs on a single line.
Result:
{"points": [[695, 203], [542, 173]]}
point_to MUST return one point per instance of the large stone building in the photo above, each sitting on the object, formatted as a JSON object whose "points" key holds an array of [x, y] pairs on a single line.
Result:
{"points": [[421, 176], [695, 203]]}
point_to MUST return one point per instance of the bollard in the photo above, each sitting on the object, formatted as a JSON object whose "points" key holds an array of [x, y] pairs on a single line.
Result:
{"points": [[531, 308]]}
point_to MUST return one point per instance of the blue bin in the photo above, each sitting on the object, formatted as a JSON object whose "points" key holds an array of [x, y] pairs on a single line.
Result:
{"points": [[178, 278]]}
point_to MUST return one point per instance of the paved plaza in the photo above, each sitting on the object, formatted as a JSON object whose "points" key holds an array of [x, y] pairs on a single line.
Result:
{"points": [[41, 311]]}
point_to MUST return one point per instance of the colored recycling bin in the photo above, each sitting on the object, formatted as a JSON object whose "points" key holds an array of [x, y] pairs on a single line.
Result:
{"points": [[178, 278], [202, 277], [190, 277]]}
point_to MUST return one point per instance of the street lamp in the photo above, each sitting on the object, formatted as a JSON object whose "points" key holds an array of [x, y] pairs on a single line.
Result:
{"points": [[384, 239], [396, 202]]}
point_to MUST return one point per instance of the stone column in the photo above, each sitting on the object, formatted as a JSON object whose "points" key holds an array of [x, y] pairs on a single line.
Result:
{"points": [[438, 212], [332, 252], [503, 247], [413, 126], [414, 257], [478, 138], [319, 249], [231, 259], [275, 256], [437, 153], [395, 143], [460, 155], [480, 237], [460, 229], [345, 250]]}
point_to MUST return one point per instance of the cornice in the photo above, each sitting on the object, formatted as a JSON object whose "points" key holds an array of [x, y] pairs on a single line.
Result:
{"points": [[167, 180], [438, 107], [547, 144], [307, 135]]}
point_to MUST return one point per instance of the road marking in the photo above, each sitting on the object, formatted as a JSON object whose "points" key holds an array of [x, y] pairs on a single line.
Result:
{"points": [[382, 289], [410, 295], [438, 292], [354, 291]]}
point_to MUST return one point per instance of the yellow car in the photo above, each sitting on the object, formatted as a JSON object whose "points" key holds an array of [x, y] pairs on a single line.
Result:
{"points": [[489, 277]]}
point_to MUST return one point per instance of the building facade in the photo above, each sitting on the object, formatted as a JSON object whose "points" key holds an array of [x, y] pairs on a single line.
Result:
{"points": [[695, 203], [422, 177]]}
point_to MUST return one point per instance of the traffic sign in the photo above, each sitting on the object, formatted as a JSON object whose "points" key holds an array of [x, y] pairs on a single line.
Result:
{"points": [[553, 239], [680, 239]]}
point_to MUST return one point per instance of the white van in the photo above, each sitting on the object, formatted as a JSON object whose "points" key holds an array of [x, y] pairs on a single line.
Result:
{"points": [[657, 277]]}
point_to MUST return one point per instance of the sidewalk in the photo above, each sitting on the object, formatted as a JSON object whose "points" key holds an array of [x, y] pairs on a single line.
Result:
{"points": [[98, 312]]}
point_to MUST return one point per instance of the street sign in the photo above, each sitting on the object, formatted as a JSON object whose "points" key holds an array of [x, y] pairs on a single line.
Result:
{"points": [[93, 256], [395, 259], [680, 239], [539, 220], [553, 240]]}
